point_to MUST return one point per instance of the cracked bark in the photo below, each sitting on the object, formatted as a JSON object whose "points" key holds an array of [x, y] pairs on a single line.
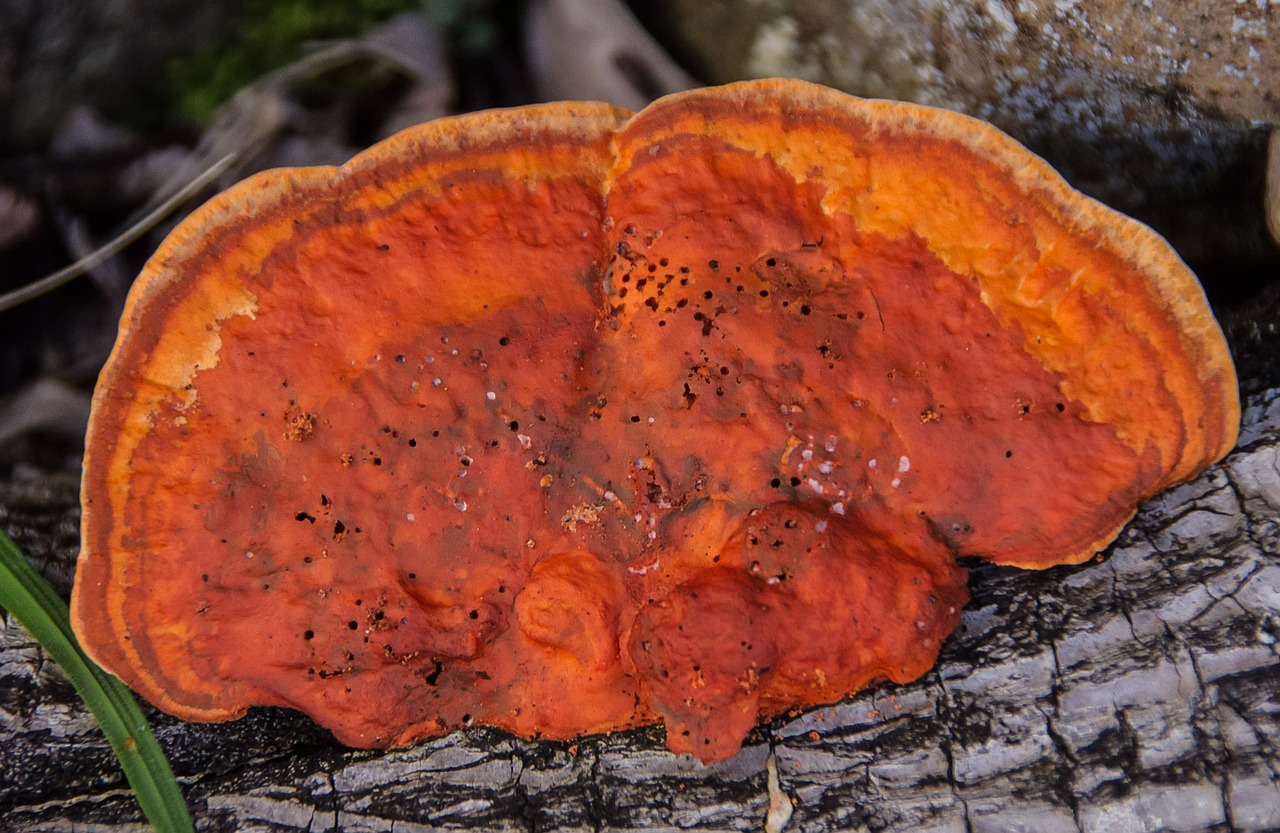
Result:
{"points": [[1137, 692]]}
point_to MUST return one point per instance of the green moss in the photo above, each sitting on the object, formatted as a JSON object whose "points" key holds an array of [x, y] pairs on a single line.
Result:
{"points": [[268, 34]]}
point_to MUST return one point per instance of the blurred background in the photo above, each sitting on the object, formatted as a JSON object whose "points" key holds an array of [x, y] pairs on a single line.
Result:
{"points": [[108, 111]]}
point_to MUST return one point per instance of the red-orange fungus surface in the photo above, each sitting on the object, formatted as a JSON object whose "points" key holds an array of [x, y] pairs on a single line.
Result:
{"points": [[566, 420]]}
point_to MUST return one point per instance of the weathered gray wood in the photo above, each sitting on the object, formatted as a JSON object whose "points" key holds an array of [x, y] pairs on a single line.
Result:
{"points": [[1138, 692]]}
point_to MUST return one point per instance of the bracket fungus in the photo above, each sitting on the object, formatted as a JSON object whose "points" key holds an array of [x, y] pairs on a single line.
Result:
{"points": [[565, 420]]}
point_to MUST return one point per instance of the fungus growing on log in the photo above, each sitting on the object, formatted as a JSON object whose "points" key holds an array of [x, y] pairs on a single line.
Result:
{"points": [[565, 420]]}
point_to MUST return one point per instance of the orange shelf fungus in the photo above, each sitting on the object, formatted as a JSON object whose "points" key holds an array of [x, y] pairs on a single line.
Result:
{"points": [[566, 420]]}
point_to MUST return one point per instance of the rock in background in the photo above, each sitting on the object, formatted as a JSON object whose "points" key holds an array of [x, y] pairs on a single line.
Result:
{"points": [[1160, 108]]}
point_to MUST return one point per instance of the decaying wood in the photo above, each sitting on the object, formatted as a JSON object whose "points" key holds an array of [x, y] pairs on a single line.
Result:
{"points": [[1138, 692]]}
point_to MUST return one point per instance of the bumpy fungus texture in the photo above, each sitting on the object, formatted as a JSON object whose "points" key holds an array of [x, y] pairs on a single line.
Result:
{"points": [[564, 420]]}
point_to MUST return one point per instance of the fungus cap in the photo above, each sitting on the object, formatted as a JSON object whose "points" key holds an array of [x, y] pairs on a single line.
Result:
{"points": [[566, 420]]}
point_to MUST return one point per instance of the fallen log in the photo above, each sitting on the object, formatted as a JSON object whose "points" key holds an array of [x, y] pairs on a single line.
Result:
{"points": [[1139, 691]]}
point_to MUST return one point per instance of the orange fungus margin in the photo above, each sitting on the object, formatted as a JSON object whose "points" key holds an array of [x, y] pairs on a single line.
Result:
{"points": [[564, 420]]}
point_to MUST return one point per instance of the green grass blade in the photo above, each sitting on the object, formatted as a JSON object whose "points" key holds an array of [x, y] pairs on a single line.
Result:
{"points": [[29, 598]]}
